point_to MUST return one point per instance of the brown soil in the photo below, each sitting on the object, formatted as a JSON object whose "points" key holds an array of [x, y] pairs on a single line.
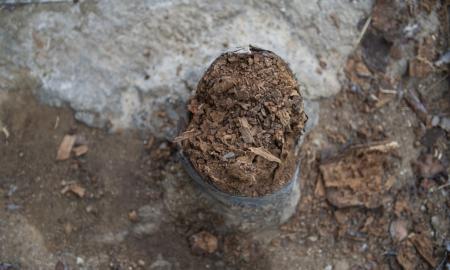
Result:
{"points": [[247, 117]]}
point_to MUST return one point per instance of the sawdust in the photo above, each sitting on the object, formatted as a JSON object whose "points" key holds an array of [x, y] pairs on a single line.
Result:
{"points": [[247, 117]]}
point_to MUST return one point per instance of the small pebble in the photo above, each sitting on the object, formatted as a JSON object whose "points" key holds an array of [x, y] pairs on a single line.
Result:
{"points": [[80, 261], [133, 216], [435, 120], [313, 238], [229, 155]]}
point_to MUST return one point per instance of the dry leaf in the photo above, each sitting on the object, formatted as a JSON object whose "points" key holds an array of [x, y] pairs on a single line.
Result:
{"points": [[424, 245], [398, 230], [358, 176], [260, 151], [246, 130], [320, 189], [284, 117], [65, 147], [80, 150], [407, 257]]}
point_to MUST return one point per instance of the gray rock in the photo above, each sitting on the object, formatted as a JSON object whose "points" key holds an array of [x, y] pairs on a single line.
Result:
{"points": [[133, 64]]}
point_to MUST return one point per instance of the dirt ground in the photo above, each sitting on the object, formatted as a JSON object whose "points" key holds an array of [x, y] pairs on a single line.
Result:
{"points": [[128, 204]]}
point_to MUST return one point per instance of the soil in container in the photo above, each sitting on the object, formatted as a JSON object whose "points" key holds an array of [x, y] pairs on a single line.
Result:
{"points": [[247, 117]]}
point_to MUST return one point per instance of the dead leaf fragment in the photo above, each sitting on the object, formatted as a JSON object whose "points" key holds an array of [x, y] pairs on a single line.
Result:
{"points": [[65, 147], [133, 216], [319, 191], [5, 132], [203, 243], [245, 130], [424, 246], [407, 257], [80, 150], [260, 151], [419, 68], [284, 117], [398, 230], [358, 177]]}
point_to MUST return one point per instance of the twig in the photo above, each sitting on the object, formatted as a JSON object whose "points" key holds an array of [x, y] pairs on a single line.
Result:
{"points": [[383, 146], [363, 32], [443, 186], [416, 105], [56, 123], [388, 91]]}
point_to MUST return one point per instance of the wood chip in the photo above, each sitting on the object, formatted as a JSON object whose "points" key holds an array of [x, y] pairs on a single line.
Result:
{"points": [[203, 243], [80, 150], [75, 189], [186, 135], [246, 130], [133, 216], [260, 151], [319, 191], [6, 132], [407, 257], [65, 147], [424, 246], [284, 117], [384, 147]]}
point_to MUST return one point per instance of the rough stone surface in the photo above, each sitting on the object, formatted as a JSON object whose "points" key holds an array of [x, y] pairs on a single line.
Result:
{"points": [[119, 64]]}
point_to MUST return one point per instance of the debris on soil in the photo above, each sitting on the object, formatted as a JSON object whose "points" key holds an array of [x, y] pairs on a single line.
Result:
{"points": [[422, 65], [407, 256], [429, 167], [5, 132], [133, 216], [359, 176], [260, 151], [68, 228], [74, 188], [398, 230], [417, 106], [249, 105], [203, 243], [80, 150], [424, 246], [66, 147]]}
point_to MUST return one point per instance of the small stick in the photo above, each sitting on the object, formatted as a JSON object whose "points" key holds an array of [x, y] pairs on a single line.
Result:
{"points": [[416, 105], [6, 132], [443, 186], [388, 91], [363, 32]]}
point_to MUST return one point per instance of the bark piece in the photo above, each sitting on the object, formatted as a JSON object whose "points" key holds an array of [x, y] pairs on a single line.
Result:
{"points": [[260, 151], [65, 147]]}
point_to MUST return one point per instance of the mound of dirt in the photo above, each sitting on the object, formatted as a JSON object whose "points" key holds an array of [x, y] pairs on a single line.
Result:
{"points": [[247, 117]]}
